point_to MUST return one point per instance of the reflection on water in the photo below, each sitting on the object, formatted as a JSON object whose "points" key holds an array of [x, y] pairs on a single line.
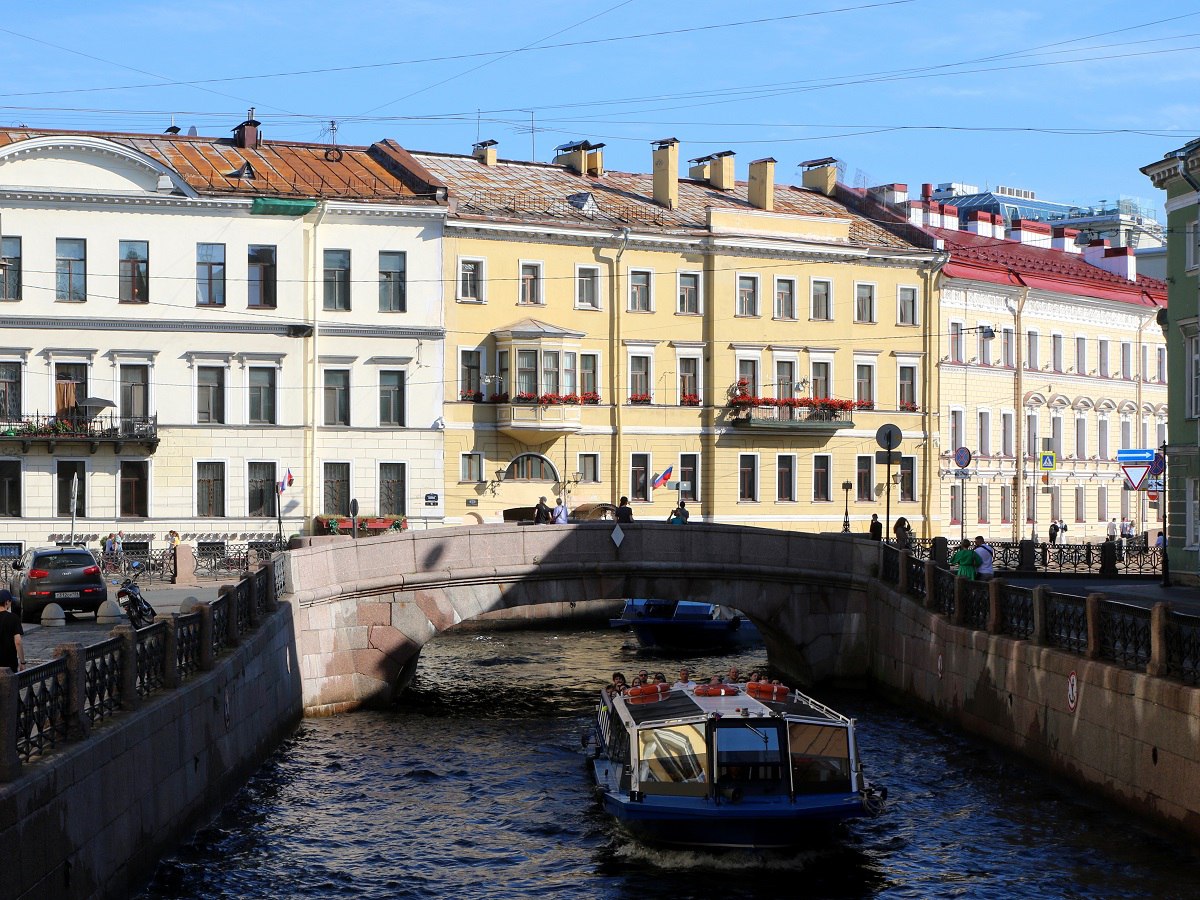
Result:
{"points": [[475, 786]]}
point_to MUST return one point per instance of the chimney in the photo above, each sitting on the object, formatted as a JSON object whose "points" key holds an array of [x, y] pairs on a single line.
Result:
{"points": [[980, 222], [820, 175], [927, 192], [1119, 261], [949, 216], [761, 192], [246, 135], [700, 167], [1027, 231], [595, 160], [721, 174], [666, 172], [1063, 238], [890, 194], [573, 155], [485, 152]]}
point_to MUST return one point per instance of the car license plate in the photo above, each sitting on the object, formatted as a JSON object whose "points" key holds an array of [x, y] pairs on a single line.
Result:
{"points": [[68, 595]]}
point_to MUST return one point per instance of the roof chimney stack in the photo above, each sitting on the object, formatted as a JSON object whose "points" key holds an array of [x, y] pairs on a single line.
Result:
{"points": [[485, 152], [247, 135], [820, 175], [575, 156], [1117, 260], [666, 172], [721, 175], [1064, 239], [761, 192]]}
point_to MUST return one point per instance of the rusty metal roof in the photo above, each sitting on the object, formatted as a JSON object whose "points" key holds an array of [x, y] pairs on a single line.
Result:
{"points": [[553, 194], [381, 172]]}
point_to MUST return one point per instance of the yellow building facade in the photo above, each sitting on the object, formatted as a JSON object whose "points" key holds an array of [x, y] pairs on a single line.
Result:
{"points": [[737, 343]]}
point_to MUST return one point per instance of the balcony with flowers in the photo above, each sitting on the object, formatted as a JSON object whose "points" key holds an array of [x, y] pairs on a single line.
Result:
{"points": [[533, 417], [791, 413]]}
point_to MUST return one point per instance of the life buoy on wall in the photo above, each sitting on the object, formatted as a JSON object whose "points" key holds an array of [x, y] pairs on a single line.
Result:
{"points": [[715, 690], [760, 690]]}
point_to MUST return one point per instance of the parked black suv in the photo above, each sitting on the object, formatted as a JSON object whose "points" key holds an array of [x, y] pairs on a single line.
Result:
{"points": [[68, 576]]}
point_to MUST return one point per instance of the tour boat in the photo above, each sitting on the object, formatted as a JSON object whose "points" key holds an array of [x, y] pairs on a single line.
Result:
{"points": [[685, 626], [738, 766]]}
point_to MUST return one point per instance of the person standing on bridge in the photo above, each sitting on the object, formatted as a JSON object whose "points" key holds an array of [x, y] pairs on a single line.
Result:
{"points": [[541, 512], [876, 528], [679, 515], [987, 557], [966, 560], [559, 516], [624, 513], [1053, 532]]}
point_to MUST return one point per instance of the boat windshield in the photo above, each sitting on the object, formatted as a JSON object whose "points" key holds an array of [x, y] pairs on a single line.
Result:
{"points": [[673, 759], [750, 757], [820, 757]]}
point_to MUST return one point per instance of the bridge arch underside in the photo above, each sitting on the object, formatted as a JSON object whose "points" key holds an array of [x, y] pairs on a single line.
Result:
{"points": [[359, 644]]}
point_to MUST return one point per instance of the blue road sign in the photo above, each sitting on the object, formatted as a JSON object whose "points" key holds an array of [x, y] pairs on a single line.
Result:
{"points": [[1159, 466], [1135, 456]]}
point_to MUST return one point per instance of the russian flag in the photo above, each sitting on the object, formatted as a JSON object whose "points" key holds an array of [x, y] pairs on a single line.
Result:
{"points": [[290, 479], [662, 479]]}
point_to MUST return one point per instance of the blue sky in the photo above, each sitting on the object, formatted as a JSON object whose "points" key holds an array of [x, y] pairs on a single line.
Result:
{"points": [[1067, 100]]}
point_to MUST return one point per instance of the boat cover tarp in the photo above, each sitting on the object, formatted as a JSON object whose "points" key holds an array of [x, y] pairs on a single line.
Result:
{"points": [[677, 705]]}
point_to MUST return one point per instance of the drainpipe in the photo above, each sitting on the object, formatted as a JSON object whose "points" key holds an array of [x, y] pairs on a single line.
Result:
{"points": [[1019, 424], [312, 310], [614, 367], [1181, 168]]}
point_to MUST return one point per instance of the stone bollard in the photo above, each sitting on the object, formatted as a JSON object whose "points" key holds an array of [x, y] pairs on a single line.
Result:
{"points": [[1039, 615], [206, 661], [1027, 556], [170, 651], [185, 564], [229, 592], [995, 622], [78, 725], [959, 614], [902, 575], [1092, 607], [129, 695], [930, 585], [939, 551], [1160, 617], [10, 706]]}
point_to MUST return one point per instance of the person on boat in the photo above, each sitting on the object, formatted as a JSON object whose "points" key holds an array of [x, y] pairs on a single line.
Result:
{"points": [[966, 561], [660, 678], [638, 681], [733, 676], [541, 512], [685, 682], [645, 676], [618, 683]]}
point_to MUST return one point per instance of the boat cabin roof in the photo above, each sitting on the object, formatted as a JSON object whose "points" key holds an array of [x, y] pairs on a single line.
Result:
{"points": [[683, 705]]}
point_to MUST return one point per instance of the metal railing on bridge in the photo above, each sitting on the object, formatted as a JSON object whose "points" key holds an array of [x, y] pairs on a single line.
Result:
{"points": [[1133, 557]]}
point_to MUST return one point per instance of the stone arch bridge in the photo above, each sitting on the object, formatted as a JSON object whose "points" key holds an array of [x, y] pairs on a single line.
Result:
{"points": [[364, 609]]}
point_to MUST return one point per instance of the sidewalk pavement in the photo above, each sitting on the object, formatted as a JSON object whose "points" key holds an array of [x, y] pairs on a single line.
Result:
{"points": [[82, 628], [1141, 593]]}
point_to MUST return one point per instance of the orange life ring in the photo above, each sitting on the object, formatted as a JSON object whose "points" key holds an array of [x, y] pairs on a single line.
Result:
{"points": [[650, 690], [762, 691], [715, 690]]}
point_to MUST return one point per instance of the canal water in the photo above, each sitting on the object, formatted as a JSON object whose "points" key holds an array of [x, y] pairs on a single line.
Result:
{"points": [[475, 786]]}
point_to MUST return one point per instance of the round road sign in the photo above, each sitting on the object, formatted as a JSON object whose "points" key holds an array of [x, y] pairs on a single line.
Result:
{"points": [[962, 457], [1072, 691], [888, 437], [1152, 496], [1158, 466]]}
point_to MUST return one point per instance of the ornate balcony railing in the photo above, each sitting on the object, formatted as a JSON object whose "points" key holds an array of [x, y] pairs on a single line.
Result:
{"points": [[799, 417], [71, 430]]}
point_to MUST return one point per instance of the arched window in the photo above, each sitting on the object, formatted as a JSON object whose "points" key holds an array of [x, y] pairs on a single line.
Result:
{"points": [[530, 467]]}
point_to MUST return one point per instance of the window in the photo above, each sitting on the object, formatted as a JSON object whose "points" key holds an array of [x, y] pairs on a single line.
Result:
{"points": [[1007, 348], [956, 503], [1006, 503], [135, 391], [1031, 434], [70, 270], [210, 489], [470, 374], [957, 433], [864, 303], [785, 378], [639, 378], [1081, 356], [1056, 352], [1191, 233], [907, 381], [1145, 370], [639, 476], [337, 397], [262, 490], [1031, 351], [68, 473], [956, 342], [531, 284], [983, 347], [1007, 434], [984, 444], [821, 378], [135, 489], [261, 280], [70, 385], [570, 373], [1160, 363], [689, 293], [1056, 434], [1126, 434], [908, 478], [589, 467], [470, 280], [1102, 437], [1126, 360], [689, 476], [1102, 504], [639, 291], [689, 381], [589, 367], [393, 281], [471, 467], [864, 383], [1030, 503], [1081, 436], [747, 295], [981, 504], [906, 302], [392, 491], [530, 467], [821, 478], [337, 279], [261, 383], [1102, 357], [10, 268], [210, 275], [336, 488], [747, 478], [550, 383], [10, 488], [785, 298], [1193, 375], [1080, 505], [748, 376], [785, 478], [391, 398], [821, 301], [864, 481], [133, 267], [587, 287], [210, 395]]}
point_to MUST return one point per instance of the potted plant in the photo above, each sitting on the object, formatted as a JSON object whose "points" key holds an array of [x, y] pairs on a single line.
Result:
{"points": [[639, 398], [590, 398], [471, 396], [689, 400], [909, 406], [525, 397]]}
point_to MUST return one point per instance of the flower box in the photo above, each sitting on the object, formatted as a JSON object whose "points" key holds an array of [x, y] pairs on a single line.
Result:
{"points": [[689, 400], [641, 399], [471, 396], [589, 398], [525, 397]]}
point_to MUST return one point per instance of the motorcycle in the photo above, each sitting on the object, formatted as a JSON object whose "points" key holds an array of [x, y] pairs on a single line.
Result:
{"points": [[129, 596]]}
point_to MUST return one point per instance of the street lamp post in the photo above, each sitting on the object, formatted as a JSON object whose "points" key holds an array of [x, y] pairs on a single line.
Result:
{"points": [[847, 486]]}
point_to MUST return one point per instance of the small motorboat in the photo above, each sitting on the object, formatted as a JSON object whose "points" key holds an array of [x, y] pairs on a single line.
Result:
{"points": [[686, 626], [738, 766]]}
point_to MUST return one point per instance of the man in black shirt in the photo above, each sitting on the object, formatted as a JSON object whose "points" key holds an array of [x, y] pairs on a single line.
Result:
{"points": [[12, 652]]}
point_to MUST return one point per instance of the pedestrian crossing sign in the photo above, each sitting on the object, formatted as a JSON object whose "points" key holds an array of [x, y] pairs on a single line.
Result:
{"points": [[1048, 462]]}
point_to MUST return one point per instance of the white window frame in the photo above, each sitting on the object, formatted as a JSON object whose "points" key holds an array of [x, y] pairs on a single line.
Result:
{"points": [[87, 484], [828, 282], [828, 359], [1033, 350], [757, 477], [699, 292], [198, 363], [1081, 429], [1008, 348], [698, 357], [649, 273], [1103, 360], [1008, 433], [874, 286], [196, 463], [696, 495], [458, 292], [1103, 436], [1080, 504], [321, 478], [737, 295], [1191, 245], [873, 365], [983, 432], [247, 363], [956, 350], [649, 476], [828, 457], [379, 464], [795, 460], [540, 292], [916, 306], [1192, 537], [599, 307], [1081, 359], [639, 351], [957, 415], [1057, 352], [779, 279], [908, 362]]}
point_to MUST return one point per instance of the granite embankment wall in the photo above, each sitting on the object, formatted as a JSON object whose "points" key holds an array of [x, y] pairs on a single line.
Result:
{"points": [[91, 819], [1133, 736]]}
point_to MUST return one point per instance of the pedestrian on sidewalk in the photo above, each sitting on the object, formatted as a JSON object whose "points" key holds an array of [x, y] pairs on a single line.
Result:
{"points": [[876, 528], [12, 650], [559, 515]]}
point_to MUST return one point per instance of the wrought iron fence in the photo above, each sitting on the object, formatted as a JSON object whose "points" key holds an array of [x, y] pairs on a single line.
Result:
{"points": [[102, 676], [943, 587], [1183, 647], [976, 604], [280, 571], [1016, 611], [1125, 634], [42, 696], [187, 643], [1066, 622], [241, 605], [227, 559], [920, 548], [149, 565], [150, 657], [891, 565], [916, 577], [220, 624]]}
